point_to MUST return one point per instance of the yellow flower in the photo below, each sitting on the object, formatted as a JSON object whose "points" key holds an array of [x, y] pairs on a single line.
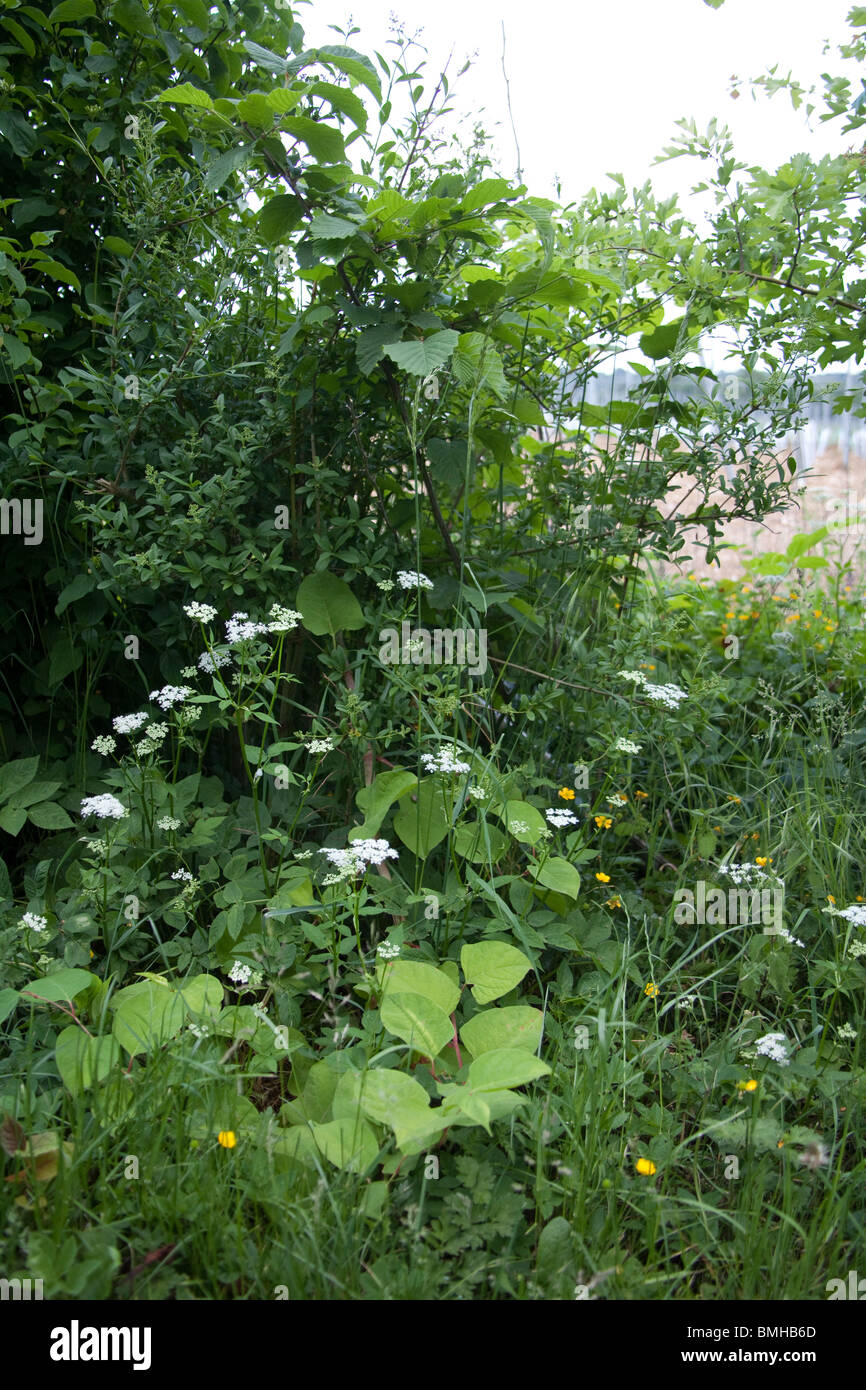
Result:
{"points": [[603, 822], [763, 860], [651, 990], [613, 902], [733, 798], [817, 612], [645, 1167], [566, 793], [227, 1138], [747, 1085], [643, 795], [730, 614], [603, 878], [830, 898]]}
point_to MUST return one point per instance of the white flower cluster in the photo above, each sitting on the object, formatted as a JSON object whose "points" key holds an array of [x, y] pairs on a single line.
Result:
{"points": [[103, 743], [445, 761], [183, 875], [282, 619], [154, 734], [786, 936], [774, 1046], [320, 745], [200, 612], [857, 948], [171, 695], [670, 695], [625, 745], [239, 973], [386, 585], [856, 913], [560, 817], [359, 855], [168, 823], [386, 950], [847, 1033], [33, 921], [411, 579], [518, 827], [212, 663], [744, 875], [128, 723], [477, 792], [238, 629], [199, 1030], [106, 807], [617, 800]]}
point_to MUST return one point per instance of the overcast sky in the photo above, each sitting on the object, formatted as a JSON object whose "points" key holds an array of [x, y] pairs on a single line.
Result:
{"points": [[597, 85]]}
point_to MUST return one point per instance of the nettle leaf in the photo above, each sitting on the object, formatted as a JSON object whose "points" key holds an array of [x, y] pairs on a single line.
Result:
{"points": [[418, 1021], [328, 606], [423, 357], [492, 968], [560, 876], [227, 164], [517, 1025], [416, 977]]}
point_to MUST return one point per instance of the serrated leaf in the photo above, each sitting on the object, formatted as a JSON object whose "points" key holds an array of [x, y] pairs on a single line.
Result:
{"points": [[423, 357], [324, 142], [185, 94], [325, 227], [279, 216]]}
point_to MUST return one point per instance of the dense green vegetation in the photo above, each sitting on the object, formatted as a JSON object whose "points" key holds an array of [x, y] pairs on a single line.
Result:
{"points": [[385, 959]]}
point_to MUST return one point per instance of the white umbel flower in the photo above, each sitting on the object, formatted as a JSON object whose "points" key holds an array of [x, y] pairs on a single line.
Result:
{"points": [[412, 579], [128, 723], [774, 1046], [33, 921], [200, 612], [106, 807], [171, 695], [445, 761], [560, 817]]}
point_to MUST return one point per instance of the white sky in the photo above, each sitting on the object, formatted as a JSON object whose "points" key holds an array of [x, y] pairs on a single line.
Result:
{"points": [[597, 85]]}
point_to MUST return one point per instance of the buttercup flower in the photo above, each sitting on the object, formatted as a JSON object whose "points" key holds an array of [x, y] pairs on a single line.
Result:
{"points": [[227, 1138], [566, 793], [603, 878], [750, 1085], [651, 990], [645, 1167]]}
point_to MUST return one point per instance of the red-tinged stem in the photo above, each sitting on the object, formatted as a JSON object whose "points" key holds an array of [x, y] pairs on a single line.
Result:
{"points": [[455, 1044]]}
